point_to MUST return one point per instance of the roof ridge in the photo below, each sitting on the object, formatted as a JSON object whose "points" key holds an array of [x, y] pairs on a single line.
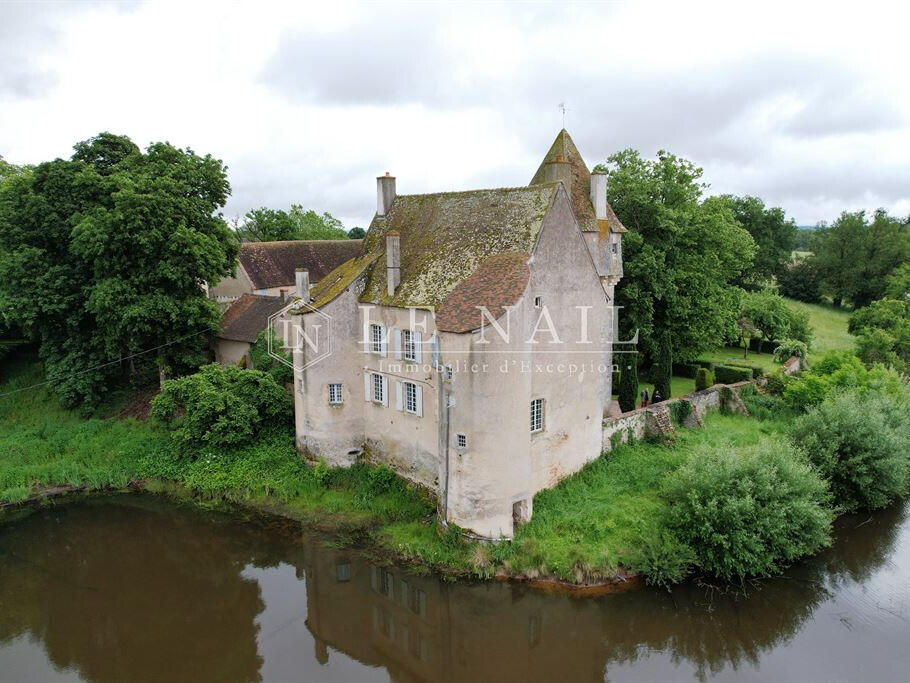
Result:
{"points": [[481, 189]]}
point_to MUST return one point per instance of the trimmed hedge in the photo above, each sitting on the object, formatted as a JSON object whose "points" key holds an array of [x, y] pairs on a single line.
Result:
{"points": [[731, 374], [703, 379], [685, 370], [707, 364]]}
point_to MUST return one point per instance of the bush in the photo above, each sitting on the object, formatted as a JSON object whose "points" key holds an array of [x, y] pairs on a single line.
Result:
{"points": [[628, 383], [787, 348], [856, 446], [685, 370], [707, 364], [221, 406], [800, 329], [764, 406], [680, 410], [801, 280], [731, 374], [777, 382], [807, 391], [664, 368], [265, 362], [662, 559], [748, 514], [704, 378]]}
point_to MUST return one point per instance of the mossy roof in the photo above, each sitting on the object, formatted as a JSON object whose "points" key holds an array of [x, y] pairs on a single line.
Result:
{"points": [[564, 152], [446, 236], [248, 316], [333, 284], [272, 264]]}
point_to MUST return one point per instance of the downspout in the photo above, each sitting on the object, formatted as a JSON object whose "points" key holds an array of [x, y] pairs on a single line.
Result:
{"points": [[447, 404]]}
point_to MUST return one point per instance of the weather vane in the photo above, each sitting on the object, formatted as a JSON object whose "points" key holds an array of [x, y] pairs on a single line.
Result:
{"points": [[563, 108]]}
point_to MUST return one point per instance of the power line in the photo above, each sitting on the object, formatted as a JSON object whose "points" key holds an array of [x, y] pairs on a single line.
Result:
{"points": [[103, 365]]}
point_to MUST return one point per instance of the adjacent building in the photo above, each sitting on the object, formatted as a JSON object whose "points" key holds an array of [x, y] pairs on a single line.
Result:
{"points": [[468, 346]]}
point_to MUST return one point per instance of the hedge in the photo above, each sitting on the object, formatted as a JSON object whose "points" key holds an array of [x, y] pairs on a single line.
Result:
{"points": [[707, 364], [731, 374], [685, 370]]}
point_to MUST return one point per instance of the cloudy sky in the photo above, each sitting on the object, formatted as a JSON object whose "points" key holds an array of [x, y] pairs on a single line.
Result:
{"points": [[805, 105]]}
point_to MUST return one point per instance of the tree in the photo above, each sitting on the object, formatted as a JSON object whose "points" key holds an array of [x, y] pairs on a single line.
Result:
{"points": [[801, 280], [768, 313], [883, 333], [855, 256], [105, 258], [774, 236], [270, 225], [898, 283], [628, 382], [681, 254], [356, 234], [664, 372]]}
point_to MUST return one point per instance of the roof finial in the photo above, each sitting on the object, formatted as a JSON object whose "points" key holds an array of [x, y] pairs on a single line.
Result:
{"points": [[563, 108]]}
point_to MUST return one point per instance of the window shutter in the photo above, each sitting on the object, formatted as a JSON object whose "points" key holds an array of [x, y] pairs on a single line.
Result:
{"points": [[418, 347], [419, 400], [366, 337], [366, 386], [399, 402], [385, 391], [397, 340], [434, 347], [384, 336]]}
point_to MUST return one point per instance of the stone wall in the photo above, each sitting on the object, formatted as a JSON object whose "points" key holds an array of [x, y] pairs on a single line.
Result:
{"points": [[651, 422]]}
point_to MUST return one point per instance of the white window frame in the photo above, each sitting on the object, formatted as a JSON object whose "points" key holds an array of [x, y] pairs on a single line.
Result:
{"points": [[404, 393], [377, 339], [538, 415], [409, 345], [461, 441], [373, 381], [336, 400], [538, 301], [378, 384]]}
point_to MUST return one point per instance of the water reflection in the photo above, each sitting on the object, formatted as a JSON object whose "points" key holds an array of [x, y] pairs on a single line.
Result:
{"points": [[139, 588]]}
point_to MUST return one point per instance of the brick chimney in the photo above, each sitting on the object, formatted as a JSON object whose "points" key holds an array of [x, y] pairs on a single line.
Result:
{"points": [[302, 280], [599, 194], [385, 193], [393, 260]]}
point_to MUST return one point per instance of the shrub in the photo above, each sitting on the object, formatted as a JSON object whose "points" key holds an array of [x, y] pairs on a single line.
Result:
{"points": [[221, 406], [263, 361], [777, 382], [800, 329], [664, 368], [806, 391], [855, 446], [708, 364], [764, 406], [787, 348], [685, 370], [680, 410], [662, 559], [704, 378], [731, 374], [628, 383], [748, 514]]}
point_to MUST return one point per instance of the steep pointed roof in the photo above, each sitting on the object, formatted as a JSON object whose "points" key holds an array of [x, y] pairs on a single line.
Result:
{"points": [[563, 163]]}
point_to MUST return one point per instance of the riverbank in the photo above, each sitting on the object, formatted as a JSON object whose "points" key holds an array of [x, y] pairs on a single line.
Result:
{"points": [[597, 530]]}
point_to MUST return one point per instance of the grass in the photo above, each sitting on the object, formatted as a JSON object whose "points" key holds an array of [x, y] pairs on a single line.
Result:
{"points": [[829, 325], [733, 355]]}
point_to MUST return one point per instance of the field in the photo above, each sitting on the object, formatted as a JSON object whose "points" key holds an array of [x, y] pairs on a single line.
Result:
{"points": [[830, 326]]}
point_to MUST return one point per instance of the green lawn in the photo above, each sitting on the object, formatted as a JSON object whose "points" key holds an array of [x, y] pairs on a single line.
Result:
{"points": [[830, 326], [733, 355]]}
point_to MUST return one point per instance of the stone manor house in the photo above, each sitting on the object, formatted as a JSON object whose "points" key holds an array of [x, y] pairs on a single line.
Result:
{"points": [[468, 345]]}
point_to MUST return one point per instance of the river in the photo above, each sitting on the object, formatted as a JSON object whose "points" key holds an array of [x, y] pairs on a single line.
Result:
{"points": [[140, 588]]}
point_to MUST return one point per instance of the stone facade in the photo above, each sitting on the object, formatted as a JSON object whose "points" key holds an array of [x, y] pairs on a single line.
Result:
{"points": [[470, 343]]}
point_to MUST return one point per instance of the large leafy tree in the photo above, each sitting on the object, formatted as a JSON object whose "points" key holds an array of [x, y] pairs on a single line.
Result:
{"points": [[681, 255], [270, 225], [855, 255], [774, 235], [106, 255]]}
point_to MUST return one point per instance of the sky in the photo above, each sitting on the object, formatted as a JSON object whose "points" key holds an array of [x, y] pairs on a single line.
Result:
{"points": [[806, 105]]}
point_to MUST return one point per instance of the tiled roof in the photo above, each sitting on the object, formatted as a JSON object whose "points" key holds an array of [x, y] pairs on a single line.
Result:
{"points": [[446, 236], [248, 316], [272, 264], [564, 151], [497, 283]]}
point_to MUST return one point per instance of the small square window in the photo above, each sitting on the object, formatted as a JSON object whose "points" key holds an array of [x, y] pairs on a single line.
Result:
{"points": [[615, 248], [448, 372], [410, 397], [410, 345], [376, 338], [343, 572], [335, 396], [538, 301], [537, 415], [461, 440], [378, 389]]}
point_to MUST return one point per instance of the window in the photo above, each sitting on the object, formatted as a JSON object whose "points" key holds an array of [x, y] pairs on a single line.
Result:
{"points": [[615, 248], [537, 415], [335, 394], [538, 301], [410, 347], [448, 372], [343, 572], [376, 338], [378, 389], [461, 440], [410, 397]]}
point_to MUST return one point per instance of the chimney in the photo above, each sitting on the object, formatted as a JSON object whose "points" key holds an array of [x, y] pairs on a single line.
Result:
{"points": [[599, 194], [392, 260], [302, 278], [385, 193]]}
